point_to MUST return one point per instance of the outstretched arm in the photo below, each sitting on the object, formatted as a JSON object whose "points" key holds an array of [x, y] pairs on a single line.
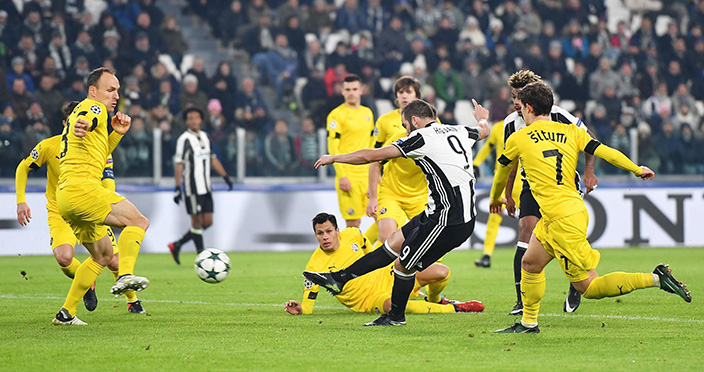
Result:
{"points": [[620, 160], [363, 156]]}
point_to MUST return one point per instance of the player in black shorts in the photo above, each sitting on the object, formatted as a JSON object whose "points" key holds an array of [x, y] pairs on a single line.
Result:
{"points": [[444, 154], [193, 161]]}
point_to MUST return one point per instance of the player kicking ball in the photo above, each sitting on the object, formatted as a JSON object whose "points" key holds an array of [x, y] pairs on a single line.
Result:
{"points": [[370, 293], [548, 152]]}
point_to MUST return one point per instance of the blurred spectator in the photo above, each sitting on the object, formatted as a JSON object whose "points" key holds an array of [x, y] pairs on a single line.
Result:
{"points": [[280, 152], [393, 36], [686, 116], [27, 49], [574, 43], [20, 98], [620, 140], [494, 79], [35, 26], [174, 44], [17, 72], [602, 78], [60, 52], [110, 47], [351, 18], [259, 37], [125, 13], [472, 81], [76, 90], [447, 83], [250, 109], [138, 144], [156, 15], [81, 69], [334, 75], [649, 80], [307, 148], [313, 58], [295, 35], [227, 151], [230, 24], [254, 162], [84, 46], [10, 149], [257, 8], [314, 95], [143, 52], [427, 17], [216, 122], [692, 150], [50, 99], [191, 96], [35, 132], [144, 25], [658, 101], [674, 76], [225, 97], [600, 122], [681, 97], [445, 35], [319, 20], [535, 61], [452, 13], [198, 70], [669, 148], [501, 104], [646, 148], [165, 96], [131, 94], [107, 24], [612, 104], [157, 115], [279, 66]]}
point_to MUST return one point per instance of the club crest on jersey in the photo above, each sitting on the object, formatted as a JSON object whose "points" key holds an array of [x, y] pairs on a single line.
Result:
{"points": [[34, 154], [355, 247], [383, 211], [307, 283], [95, 109], [109, 161], [333, 124]]}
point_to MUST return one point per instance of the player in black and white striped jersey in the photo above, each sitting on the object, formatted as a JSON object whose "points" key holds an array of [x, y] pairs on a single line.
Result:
{"points": [[529, 212], [193, 159], [444, 154]]}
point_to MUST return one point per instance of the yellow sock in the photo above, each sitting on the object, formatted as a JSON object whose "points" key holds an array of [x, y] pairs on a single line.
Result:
{"points": [[618, 283], [129, 243], [372, 233], [532, 291], [435, 289], [85, 277], [492, 230], [70, 270], [130, 296], [424, 307]]}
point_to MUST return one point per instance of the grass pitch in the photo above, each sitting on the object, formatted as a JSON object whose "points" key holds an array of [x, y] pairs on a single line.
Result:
{"points": [[240, 324]]}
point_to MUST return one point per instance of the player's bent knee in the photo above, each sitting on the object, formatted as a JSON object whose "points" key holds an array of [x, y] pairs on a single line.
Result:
{"points": [[64, 255]]}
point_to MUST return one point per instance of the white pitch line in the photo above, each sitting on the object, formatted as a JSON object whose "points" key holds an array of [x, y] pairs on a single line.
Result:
{"points": [[595, 316]]}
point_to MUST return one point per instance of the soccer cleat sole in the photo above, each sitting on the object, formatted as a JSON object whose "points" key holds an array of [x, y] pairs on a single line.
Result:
{"points": [[90, 300], [130, 282], [518, 328], [669, 284], [73, 321], [573, 300], [136, 307], [322, 281], [385, 322]]}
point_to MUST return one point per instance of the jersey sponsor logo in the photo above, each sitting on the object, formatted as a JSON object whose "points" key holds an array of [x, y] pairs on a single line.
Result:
{"points": [[376, 131], [382, 211], [51, 241], [35, 154], [333, 124], [355, 247], [95, 109], [307, 283], [350, 211]]}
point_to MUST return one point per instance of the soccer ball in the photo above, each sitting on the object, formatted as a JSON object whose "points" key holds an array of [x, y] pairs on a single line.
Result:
{"points": [[212, 265]]}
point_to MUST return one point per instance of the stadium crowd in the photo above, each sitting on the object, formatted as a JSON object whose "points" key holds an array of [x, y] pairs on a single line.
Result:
{"points": [[615, 78]]}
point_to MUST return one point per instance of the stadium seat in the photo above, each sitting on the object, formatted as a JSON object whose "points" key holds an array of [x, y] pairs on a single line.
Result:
{"points": [[386, 84], [568, 104]]}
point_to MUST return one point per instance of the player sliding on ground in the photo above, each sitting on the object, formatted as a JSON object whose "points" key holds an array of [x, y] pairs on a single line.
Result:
{"points": [[62, 239], [548, 152], [370, 293], [444, 153]]}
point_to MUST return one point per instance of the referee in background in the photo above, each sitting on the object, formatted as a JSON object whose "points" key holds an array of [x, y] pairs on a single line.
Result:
{"points": [[193, 159]]}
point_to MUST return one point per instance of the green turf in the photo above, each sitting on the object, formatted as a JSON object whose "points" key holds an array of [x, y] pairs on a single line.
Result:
{"points": [[240, 324]]}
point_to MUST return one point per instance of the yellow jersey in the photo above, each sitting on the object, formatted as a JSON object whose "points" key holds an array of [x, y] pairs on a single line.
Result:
{"points": [[85, 157], [401, 175], [548, 152], [350, 130], [353, 245], [386, 126]]}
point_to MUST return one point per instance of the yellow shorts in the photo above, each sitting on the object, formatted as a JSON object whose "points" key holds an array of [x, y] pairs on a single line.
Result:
{"points": [[60, 231], [353, 204], [84, 204], [399, 208], [566, 240], [383, 283]]}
